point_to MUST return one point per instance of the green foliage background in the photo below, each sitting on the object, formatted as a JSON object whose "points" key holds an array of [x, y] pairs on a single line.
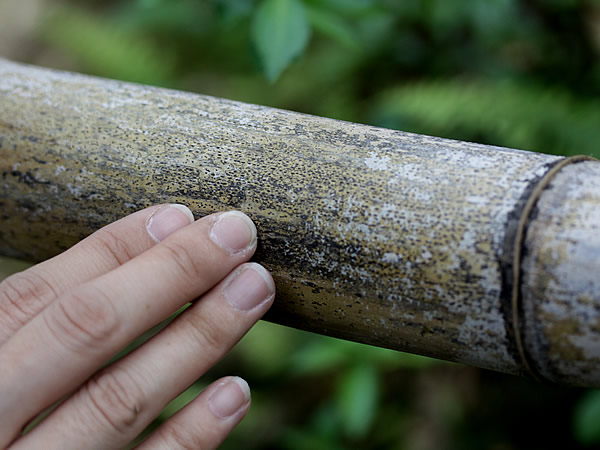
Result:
{"points": [[522, 74]]}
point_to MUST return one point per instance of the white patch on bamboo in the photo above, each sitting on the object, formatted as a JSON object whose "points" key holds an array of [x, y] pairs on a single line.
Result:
{"points": [[391, 258], [376, 162]]}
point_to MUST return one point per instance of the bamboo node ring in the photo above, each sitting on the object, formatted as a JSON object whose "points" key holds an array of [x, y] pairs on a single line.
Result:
{"points": [[518, 324]]}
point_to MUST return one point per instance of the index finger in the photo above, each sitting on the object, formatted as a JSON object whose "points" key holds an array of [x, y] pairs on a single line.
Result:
{"points": [[25, 294]]}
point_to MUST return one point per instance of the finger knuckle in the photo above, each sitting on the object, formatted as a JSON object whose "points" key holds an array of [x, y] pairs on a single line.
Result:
{"points": [[203, 332], [83, 320], [185, 259], [106, 242], [22, 296], [183, 437], [116, 400], [14, 297]]}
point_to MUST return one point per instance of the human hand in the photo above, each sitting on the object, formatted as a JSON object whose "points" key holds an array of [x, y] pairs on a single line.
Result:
{"points": [[62, 319]]}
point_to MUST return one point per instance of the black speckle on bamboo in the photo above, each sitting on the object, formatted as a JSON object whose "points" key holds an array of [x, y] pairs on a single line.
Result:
{"points": [[482, 255]]}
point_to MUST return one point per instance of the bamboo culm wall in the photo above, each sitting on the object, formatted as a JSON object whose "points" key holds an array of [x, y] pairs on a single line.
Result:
{"points": [[482, 255]]}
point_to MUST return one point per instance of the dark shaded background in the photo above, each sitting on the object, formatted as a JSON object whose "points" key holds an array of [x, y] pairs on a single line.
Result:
{"points": [[522, 74]]}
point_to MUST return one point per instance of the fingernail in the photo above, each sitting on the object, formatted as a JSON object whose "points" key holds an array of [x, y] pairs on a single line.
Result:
{"points": [[168, 219], [234, 232], [250, 287], [229, 397]]}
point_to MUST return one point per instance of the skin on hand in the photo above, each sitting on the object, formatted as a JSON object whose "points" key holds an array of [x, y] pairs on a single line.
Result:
{"points": [[62, 319]]}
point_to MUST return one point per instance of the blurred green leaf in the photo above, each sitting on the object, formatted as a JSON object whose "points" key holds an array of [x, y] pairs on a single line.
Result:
{"points": [[334, 27], [325, 353], [586, 418], [232, 11], [317, 357], [321, 432], [493, 17], [301, 440], [510, 114], [324, 421], [280, 32], [265, 349], [354, 8], [107, 50], [356, 399], [375, 29], [165, 16]]}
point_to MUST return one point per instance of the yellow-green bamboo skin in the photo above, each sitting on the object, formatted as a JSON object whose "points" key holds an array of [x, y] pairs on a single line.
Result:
{"points": [[379, 236]]}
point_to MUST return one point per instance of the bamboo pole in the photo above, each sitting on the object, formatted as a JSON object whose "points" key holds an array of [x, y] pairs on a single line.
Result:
{"points": [[481, 255]]}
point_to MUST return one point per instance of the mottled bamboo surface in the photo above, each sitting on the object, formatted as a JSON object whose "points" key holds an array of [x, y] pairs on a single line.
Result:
{"points": [[482, 255]]}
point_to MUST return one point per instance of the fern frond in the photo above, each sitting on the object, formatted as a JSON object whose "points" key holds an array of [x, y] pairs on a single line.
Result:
{"points": [[533, 117]]}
